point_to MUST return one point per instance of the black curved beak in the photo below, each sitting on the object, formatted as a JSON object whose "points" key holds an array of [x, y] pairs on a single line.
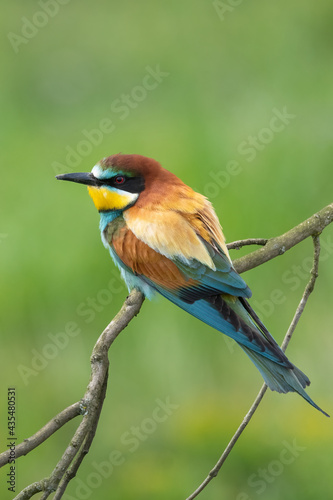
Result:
{"points": [[80, 177]]}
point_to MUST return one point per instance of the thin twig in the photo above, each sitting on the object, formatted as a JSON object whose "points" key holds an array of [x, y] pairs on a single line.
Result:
{"points": [[31, 490], [213, 473], [279, 245], [308, 290], [44, 433], [236, 245]]}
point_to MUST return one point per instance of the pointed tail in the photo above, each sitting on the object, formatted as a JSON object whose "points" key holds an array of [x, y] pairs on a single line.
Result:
{"points": [[280, 378]]}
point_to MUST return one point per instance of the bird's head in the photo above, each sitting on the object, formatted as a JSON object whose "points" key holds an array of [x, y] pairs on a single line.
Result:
{"points": [[116, 182]]}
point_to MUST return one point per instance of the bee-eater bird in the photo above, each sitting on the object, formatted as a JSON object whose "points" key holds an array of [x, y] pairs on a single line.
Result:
{"points": [[166, 238]]}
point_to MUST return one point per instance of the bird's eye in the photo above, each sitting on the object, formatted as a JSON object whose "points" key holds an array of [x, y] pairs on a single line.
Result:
{"points": [[120, 179]]}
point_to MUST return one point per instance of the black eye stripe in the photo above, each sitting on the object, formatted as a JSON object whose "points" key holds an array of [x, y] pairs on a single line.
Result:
{"points": [[129, 184]]}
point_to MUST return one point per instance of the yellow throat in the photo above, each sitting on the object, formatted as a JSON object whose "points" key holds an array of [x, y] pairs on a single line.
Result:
{"points": [[107, 199]]}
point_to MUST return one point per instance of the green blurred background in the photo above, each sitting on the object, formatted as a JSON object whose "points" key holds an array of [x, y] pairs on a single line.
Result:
{"points": [[225, 69]]}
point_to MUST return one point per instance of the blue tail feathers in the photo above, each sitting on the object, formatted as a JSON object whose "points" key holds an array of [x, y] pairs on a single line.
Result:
{"points": [[281, 379], [234, 317]]}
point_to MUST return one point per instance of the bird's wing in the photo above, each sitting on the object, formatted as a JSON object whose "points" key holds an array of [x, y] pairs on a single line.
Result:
{"points": [[204, 282], [211, 296], [179, 252]]}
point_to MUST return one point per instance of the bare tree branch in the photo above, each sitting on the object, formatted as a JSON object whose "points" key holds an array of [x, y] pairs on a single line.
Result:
{"points": [[91, 407], [308, 290], [213, 473], [279, 245], [45, 432], [236, 245], [71, 473], [91, 404]]}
